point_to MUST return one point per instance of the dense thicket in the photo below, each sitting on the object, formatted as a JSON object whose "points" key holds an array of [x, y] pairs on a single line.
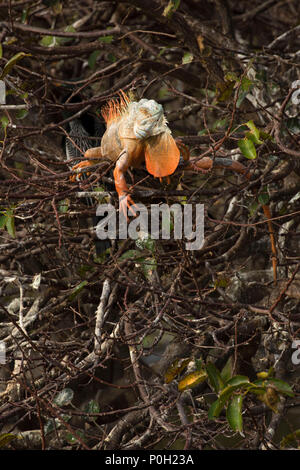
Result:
{"points": [[129, 350]]}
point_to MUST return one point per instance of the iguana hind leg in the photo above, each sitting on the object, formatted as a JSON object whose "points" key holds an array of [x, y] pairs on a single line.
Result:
{"points": [[206, 163]]}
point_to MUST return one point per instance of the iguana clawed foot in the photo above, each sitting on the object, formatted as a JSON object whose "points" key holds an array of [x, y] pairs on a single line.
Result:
{"points": [[126, 203], [82, 164]]}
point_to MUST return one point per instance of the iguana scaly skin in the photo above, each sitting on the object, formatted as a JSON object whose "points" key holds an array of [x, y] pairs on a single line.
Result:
{"points": [[137, 132]]}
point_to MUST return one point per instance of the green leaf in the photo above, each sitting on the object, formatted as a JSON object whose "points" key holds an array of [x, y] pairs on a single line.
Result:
{"points": [[214, 411], [21, 113], [53, 424], [83, 269], [257, 389], [106, 39], [216, 408], [246, 84], [111, 57], [247, 148], [49, 426], [263, 198], [187, 58], [282, 387], [223, 398], [221, 282], [1, 51], [93, 58], [253, 138], [8, 221], [4, 121], [150, 244], [10, 225], [253, 208], [77, 290], [231, 77], [234, 413], [219, 404], [145, 243], [270, 398], [57, 7], [214, 377], [162, 51], [48, 41], [70, 29], [253, 128], [73, 439], [226, 372], [171, 7], [192, 379], [3, 220], [19, 167], [233, 384], [224, 91], [24, 15], [293, 125], [242, 96], [220, 124], [148, 266], [130, 254], [199, 363], [254, 135], [63, 206], [265, 136], [11, 62], [92, 407], [51, 41], [293, 437], [175, 369], [6, 438], [237, 381]]}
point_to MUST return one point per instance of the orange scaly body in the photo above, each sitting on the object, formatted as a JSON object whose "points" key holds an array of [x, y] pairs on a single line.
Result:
{"points": [[136, 132]]}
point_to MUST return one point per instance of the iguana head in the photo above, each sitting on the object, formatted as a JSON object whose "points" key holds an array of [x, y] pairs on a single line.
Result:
{"points": [[148, 117]]}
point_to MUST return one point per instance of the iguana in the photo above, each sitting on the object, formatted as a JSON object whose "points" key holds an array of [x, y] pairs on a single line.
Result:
{"points": [[137, 132]]}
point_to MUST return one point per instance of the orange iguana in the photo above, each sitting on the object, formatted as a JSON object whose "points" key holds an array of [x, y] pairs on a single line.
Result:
{"points": [[137, 132]]}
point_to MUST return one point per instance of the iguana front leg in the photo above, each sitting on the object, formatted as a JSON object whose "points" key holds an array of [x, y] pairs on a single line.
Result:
{"points": [[93, 153], [121, 167]]}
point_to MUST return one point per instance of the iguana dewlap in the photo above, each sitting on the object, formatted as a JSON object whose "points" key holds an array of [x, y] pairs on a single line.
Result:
{"points": [[136, 132]]}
